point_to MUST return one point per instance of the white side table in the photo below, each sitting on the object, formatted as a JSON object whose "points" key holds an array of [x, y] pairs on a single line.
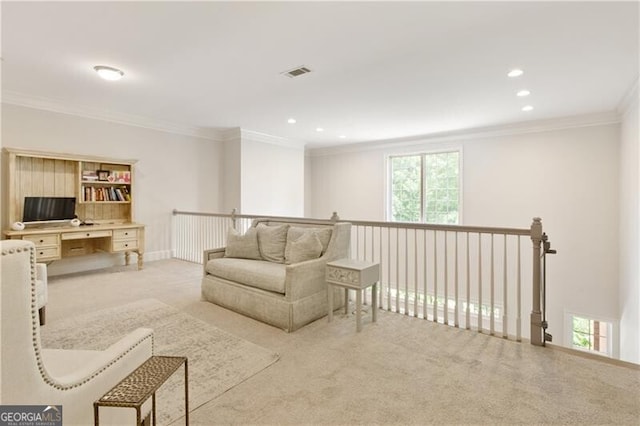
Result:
{"points": [[356, 275]]}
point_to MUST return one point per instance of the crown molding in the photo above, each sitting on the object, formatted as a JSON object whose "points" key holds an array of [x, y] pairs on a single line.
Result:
{"points": [[270, 139], [537, 126], [232, 134], [63, 107], [629, 99], [214, 134], [237, 133]]}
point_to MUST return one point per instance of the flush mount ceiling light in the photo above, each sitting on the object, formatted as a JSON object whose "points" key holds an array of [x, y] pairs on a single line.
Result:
{"points": [[319, 129], [108, 73], [515, 73], [523, 93], [342, 136], [527, 108], [291, 121]]}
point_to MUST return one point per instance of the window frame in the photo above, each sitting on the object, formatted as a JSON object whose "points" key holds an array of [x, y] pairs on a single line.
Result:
{"points": [[613, 336], [388, 185]]}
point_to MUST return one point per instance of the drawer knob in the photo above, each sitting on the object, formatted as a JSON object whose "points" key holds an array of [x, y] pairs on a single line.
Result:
{"points": [[126, 233], [88, 234], [42, 241], [41, 253], [126, 245]]}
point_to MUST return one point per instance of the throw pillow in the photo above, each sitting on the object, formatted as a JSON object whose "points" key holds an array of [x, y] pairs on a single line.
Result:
{"points": [[307, 247], [324, 235], [242, 246], [272, 241]]}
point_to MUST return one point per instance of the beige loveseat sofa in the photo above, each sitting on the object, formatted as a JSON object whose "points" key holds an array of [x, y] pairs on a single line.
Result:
{"points": [[275, 272]]}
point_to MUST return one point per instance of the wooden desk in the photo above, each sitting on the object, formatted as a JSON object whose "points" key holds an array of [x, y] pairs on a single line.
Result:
{"points": [[54, 243]]}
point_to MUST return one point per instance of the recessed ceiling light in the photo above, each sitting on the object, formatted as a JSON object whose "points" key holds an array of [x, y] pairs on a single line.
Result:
{"points": [[515, 73], [319, 129], [522, 93], [527, 108], [291, 121], [108, 73], [342, 136]]}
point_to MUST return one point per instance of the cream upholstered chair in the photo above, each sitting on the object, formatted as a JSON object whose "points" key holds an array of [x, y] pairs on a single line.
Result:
{"points": [[74, 379], [42, 291]]}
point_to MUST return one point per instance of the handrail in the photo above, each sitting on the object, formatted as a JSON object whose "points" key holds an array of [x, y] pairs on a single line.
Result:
{"points": [[435, 270], [400, 225]]}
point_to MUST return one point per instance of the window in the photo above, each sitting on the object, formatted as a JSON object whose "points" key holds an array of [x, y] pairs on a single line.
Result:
{"points": [[591, 335], [425, 188]]}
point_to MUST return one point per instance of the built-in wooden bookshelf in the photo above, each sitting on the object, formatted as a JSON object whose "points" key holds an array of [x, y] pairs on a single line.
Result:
{"points": [[103, 189], [34, 173]]}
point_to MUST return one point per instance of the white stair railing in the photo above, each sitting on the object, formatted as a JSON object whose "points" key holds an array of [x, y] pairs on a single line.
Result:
{"points": [[467, 277], [463, 276]]}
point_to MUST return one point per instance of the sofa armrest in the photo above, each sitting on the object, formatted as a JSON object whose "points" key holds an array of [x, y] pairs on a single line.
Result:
{"points": [[305, 278], [211, 254]]}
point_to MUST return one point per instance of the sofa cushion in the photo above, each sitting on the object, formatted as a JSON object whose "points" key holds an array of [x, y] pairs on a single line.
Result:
{"points": [[243, 246], [255, 273], [324, 235], [307, 247], [272, 241]]}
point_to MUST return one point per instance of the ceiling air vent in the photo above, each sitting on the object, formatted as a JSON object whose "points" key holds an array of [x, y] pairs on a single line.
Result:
{"points": [[296, 72]]}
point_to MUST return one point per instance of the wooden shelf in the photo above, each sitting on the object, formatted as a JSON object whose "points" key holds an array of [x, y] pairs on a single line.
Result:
{"points": [[47, 174], [102, 182], [104, 202]]}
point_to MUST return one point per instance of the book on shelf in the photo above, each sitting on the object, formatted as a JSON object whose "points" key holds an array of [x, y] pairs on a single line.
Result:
{"points": [[125, 193], [95, 194], [89, 175]]}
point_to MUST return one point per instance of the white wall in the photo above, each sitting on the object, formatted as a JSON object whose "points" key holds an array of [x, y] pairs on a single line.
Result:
{"points": [[351, 184], [173, 171], [272, 179], [568, 177], [630, 236], [232, 174]]}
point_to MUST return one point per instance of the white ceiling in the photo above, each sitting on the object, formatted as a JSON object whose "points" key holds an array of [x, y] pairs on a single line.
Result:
{"points": [[381, 70]]}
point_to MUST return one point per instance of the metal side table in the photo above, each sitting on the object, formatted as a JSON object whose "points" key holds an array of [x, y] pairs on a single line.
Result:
{"points": [[135, 389]]}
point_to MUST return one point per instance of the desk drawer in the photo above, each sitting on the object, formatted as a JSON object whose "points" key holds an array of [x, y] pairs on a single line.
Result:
{"points": [[125, 245], [48, 253], [84, 235], [125, 234], [42, 240]]}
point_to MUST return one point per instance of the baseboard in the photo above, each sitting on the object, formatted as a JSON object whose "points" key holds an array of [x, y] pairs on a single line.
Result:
{"points": [[594, 357], [99, 261], [152, 256]]}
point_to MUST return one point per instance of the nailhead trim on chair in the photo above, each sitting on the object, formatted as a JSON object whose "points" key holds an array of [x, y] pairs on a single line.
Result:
{"points": [[35, 329]]}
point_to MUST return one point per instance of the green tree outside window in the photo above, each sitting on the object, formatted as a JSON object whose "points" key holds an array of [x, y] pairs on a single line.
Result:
{"points": [[426, 188]]}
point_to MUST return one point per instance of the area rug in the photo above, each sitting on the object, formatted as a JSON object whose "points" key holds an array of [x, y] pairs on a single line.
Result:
{"points": [[218, 361]]}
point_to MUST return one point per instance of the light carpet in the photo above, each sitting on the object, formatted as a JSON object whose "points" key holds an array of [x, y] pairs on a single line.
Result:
{"points": [[218, 361]]}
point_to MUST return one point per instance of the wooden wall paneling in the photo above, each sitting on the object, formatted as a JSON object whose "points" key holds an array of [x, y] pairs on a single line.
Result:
{"points": [[23, 182], [70, 180], [48, 169], [97, 212], [89, 212], [38, 177], [59, 178], [112, 211], [10, 180]]}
